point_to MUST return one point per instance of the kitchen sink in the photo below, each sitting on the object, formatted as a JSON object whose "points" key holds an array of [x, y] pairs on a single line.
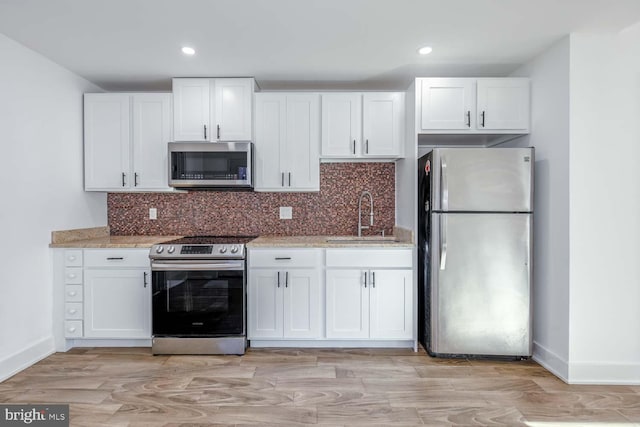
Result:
{"points": [[363, 240]]}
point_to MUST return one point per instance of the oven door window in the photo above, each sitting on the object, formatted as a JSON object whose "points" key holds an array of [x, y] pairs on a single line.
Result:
{"points": [[209, 166], [198, 303]]}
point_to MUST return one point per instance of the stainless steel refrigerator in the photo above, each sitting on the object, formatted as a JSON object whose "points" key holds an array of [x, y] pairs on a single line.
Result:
{"points": [[475, 212]]}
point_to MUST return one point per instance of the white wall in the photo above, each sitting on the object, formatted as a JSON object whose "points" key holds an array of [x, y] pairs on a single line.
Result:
{"points": [[549, 73], [42, 179], [605, 208]]}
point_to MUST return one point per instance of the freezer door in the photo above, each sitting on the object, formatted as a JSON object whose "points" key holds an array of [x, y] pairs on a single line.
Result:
{"points": [[482, 179], [480, 289]]}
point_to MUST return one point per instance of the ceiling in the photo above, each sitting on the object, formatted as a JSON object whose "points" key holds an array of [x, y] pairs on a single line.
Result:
{"points": [[300, 44]]}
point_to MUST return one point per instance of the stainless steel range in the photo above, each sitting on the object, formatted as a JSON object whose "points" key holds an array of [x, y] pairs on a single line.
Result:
{"points": [[199, 295]]}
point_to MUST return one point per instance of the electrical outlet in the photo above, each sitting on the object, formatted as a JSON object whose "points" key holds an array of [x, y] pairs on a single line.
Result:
{"points": [[153, 213], [286, 212]]}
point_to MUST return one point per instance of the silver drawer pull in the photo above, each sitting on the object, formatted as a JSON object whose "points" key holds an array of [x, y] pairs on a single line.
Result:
{"points": [[72, 329], [72, 276], [115, 258], [73, 311], [282, 258], [72, 293]]}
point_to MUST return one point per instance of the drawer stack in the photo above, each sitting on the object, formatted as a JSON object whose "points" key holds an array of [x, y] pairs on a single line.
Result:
{"points": [[73, 295]]}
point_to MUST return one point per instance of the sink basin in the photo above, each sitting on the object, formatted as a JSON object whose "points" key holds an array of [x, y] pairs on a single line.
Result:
{"points": [[363, 240]]}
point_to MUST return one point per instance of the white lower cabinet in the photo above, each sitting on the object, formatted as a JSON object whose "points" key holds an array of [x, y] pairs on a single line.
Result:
{"points": [[117, 303], [284, 297], [365, 297], [374, 304]]}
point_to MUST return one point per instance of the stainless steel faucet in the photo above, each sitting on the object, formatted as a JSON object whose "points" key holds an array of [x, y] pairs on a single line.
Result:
{"points": [[360, 226]]}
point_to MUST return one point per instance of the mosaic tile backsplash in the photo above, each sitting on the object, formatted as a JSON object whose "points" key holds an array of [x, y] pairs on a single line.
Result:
{"points": [[331, 211]]}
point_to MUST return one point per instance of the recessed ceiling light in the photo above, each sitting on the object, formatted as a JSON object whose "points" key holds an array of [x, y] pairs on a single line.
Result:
{"points": [[188, 50], [425, 50]]}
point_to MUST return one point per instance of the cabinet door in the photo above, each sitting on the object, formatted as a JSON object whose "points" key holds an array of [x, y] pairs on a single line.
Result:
{"points": [[341, 124], [301, 154], [151, 133], [231, 116], [191, 110], [503, 104], [383, 124], [347, 305], [107, 142], [117, 303], [447, 104], [270, 138], [302, 300], [391, 304], [265, 313]]}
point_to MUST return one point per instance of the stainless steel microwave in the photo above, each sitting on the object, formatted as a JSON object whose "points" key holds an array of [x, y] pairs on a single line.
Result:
{"points": [[211, 165]]}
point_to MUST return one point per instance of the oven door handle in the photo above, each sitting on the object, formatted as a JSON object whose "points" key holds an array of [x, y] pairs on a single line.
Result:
{"points": [[197, 266]]}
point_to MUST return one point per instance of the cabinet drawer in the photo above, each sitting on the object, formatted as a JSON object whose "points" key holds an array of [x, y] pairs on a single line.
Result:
{"points": [[73, 275], [285, 257], [370, 258], [72, 328], [73, 293], [116, 258], [73, 310], [73, 258]]}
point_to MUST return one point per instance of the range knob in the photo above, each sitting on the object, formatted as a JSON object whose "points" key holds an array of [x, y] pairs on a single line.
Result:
{"points": [[223, 249], [159, 249], [171, 249], [234, 249]]}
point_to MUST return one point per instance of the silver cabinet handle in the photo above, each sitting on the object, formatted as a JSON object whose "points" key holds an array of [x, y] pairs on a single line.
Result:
{"points": [[282, 178], [205, 131], [373, 279], [365, 279], [144, 278], [482, 115], [289, 179], [218, 131], [469, 118], [354, 146], [444, 185], [123, 177], [366, 147], [278, 279], [280, 258], [286, 279], [135, 179], [443, 242], [115, 258]]}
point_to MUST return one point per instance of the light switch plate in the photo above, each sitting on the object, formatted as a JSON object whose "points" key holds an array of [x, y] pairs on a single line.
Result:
{"points": [[153, 213], [286, 212]]}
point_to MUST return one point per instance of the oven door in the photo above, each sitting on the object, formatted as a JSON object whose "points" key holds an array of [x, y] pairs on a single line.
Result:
{"points": [[200, 298]]}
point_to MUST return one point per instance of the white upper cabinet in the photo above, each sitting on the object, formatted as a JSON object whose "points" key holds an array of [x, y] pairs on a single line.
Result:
{"points": [[357, 125], [232, 113], [341, 124], [212, 109], [503, 104], [469, 105], [287, 142], [151, 133], [125, 140], [107, 141], [383, 124], [191, 117], [447, 103]]}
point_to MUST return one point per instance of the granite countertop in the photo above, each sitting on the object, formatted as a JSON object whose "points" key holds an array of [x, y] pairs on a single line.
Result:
{"points": [[99, 237], [402, 238]]}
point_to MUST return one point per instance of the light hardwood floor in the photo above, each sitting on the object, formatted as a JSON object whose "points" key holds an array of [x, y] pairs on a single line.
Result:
{"points": [[130, 387]]}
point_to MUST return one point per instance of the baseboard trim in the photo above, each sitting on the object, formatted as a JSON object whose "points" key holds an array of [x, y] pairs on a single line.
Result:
{"points": [[604, 373], [26, 357], [551, 361], [102, 342]]}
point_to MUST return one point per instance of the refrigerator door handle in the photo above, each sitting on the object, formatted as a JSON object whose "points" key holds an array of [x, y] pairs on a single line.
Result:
{"points": [[444, 184], [443, 242]]}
